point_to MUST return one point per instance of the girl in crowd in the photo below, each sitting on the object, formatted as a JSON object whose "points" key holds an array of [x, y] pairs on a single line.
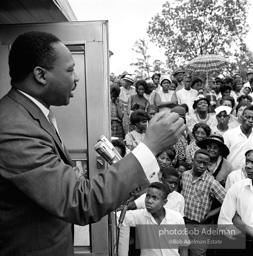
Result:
{"points": [[139, 119], [138, 101]]}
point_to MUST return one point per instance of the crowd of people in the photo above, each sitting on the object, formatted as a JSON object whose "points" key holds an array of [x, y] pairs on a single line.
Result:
{"points": [[211, 155]]}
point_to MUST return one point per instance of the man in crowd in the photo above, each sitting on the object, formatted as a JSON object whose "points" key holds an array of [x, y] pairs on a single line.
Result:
{"points": [[198, 189], [239, 139], [179, 77], [237, 207], [40, 195]]}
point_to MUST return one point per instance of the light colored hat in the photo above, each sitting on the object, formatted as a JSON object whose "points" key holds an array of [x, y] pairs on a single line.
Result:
{"points": [[219, 109], [129, 78], [165, 78]]}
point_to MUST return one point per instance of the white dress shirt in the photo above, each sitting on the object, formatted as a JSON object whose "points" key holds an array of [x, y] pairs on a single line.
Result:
{"points": [[239, 198], [238, 143], [143, 217]]}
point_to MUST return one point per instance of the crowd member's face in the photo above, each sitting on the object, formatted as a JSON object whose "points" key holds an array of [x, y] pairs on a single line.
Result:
{"points": [[172, 86], [240, 111], [187, 82], [62, 79], [171, 182], [140, 90], [226, 93], [200, 163], [249, 165], [164, 160], [246, 91], [151, 87], [179, 77], [227, 103], [213, 149], [142, 125], [154, 200], [156, 80], [165, 85], [238, 86], [247, 119], [222, 118], [151, 113], [181, 169], [197, 86], [200, 134], [202, 106]]}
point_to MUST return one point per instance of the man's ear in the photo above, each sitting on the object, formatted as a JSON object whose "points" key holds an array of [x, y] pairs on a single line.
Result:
{"points": [[165, 201], [40, 75]]}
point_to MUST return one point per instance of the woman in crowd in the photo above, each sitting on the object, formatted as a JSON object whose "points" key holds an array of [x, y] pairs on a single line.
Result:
{"points": [[223, 114], [219, 167], [201, 115], [139, 118], [225, 90], [163, 97], [138, 101], [116, 114], [200, 132]]}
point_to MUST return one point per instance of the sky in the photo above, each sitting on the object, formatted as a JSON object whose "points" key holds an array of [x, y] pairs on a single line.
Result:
{"points": [[128, 22]]}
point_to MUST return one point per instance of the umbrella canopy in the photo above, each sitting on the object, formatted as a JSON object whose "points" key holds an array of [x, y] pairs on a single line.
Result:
{"points": [[207, 63]]}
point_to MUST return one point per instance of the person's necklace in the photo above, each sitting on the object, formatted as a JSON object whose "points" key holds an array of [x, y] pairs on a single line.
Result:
{"points": [[202, 120]]}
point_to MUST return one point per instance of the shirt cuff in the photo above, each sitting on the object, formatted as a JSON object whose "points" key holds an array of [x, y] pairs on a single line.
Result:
{"points": [[147, 160]]}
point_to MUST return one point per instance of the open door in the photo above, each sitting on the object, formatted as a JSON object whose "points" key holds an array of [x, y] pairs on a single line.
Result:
{"points": [[87, 116]]}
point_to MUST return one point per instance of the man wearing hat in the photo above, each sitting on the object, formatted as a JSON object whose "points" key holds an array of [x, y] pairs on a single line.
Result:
{"points": [[223, 116], [201, 115], [179, 77], [126, 90]]}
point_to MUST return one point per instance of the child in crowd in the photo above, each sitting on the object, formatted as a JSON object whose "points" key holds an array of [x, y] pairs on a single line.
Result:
{"points": [[155, 213], [139, 119]]}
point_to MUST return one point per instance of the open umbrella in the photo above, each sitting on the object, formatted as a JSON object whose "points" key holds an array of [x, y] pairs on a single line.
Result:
{"points": [[207, 63]]}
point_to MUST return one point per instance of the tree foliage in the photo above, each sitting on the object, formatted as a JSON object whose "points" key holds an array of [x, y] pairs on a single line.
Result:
{"points": [[143, 65], [189, 28]]}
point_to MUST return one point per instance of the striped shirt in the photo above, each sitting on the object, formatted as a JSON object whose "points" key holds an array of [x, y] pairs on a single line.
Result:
{"points": [[199, 194]]}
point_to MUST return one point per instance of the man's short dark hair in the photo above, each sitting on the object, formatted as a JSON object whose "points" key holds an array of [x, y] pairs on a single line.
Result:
{"points": [[169, 171], [29, 50], [160, 186], [250, 107]]}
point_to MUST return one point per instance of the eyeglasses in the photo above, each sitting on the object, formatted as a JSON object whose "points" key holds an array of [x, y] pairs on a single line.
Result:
{"points": [[212, 147]]}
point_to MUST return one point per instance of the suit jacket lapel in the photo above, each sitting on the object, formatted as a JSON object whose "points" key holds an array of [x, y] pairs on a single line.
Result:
{"points": [[38, 115]]}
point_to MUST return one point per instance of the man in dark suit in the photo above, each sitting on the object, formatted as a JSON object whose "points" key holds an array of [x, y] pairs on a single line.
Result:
{"points": [[40, 195]]}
